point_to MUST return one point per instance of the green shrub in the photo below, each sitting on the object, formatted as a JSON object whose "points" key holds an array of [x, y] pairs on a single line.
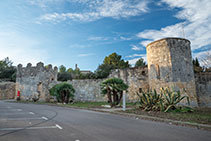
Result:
{"points": [[63, 92]]}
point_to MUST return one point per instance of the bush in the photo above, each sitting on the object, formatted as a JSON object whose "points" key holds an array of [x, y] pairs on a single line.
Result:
{"points": [[63, 92], [166, 101]]}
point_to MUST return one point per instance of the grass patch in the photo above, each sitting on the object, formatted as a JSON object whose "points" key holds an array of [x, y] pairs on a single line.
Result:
{"points": [[87, 104], [199, 115]]}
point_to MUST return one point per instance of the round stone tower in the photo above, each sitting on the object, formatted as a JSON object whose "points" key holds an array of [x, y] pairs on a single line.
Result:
{"points": [[170, 65]]}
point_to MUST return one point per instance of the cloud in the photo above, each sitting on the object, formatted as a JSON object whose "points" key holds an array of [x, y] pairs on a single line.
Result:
{"points": [[136, 57], [85, 55], [125, 38], [100, 9], [134, 47], [97, 38], [202, 56], [21, 49], [79, 46], [196, 26]]}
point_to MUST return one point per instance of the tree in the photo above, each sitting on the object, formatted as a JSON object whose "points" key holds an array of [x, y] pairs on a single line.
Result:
{"points": [[63, 92], [62, 69], [140, 63], [7, 70], [196, 66], [113, 87], [64, 76], [113, 61]]}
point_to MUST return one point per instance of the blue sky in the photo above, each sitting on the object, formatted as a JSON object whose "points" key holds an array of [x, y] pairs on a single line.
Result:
{"points": [[83, 32]]}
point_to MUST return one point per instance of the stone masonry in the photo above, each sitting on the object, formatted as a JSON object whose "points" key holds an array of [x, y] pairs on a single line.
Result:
{"points": [[33, 82], [136, 78], [7, 90], [170, 65]]}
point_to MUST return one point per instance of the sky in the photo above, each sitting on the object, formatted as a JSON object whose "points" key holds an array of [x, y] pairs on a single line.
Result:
{"points": [[83, 32]]}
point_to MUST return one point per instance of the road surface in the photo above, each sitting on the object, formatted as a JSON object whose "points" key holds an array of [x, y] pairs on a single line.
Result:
{"points": [[32, 122]]}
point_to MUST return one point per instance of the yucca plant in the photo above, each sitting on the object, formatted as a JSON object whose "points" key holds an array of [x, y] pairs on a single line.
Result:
{"points": [[172, 98]]}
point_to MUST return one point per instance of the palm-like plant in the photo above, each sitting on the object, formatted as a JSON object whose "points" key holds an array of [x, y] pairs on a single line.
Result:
{"points": [[63, 92], [113, 87]]}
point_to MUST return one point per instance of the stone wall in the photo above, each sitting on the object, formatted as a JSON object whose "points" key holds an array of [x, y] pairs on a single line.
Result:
{"points": [[87, 90], [7, 90], [34, 81], [136, 78], [170, 65], [203, 88]]}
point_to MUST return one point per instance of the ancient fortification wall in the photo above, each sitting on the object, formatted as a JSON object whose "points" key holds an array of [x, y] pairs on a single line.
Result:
{"points": [[7, 90], [136, 78], [203, 88], [87, 90], [170, 65], [34, 81]]}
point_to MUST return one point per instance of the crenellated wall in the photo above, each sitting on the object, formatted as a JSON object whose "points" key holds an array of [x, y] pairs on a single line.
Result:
{"points": [[169, 65], [34, 81]]}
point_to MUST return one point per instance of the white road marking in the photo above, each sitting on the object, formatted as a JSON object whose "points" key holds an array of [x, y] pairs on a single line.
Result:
{"points": [[31, 113], [5, 119], [11, 110], [45, 118], [15, 113], [59, 126], [29, 128]]}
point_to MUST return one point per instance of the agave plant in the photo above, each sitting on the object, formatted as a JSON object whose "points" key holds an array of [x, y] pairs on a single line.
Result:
{"points": [[165, 101], [172, 98], [150, 100]]}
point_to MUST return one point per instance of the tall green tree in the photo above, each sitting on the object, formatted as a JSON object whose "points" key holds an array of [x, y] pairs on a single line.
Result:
{"points": [[140, 63], [62, 69], [113, 61], [7, 70], [196, 66]]}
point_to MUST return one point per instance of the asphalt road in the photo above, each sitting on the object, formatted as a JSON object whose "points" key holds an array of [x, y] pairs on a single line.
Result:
{"points": [[31, 122]]}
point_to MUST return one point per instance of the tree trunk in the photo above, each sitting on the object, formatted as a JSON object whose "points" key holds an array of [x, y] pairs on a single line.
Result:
{"points": [[120, 97], [114, 98], [109, 96]]}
